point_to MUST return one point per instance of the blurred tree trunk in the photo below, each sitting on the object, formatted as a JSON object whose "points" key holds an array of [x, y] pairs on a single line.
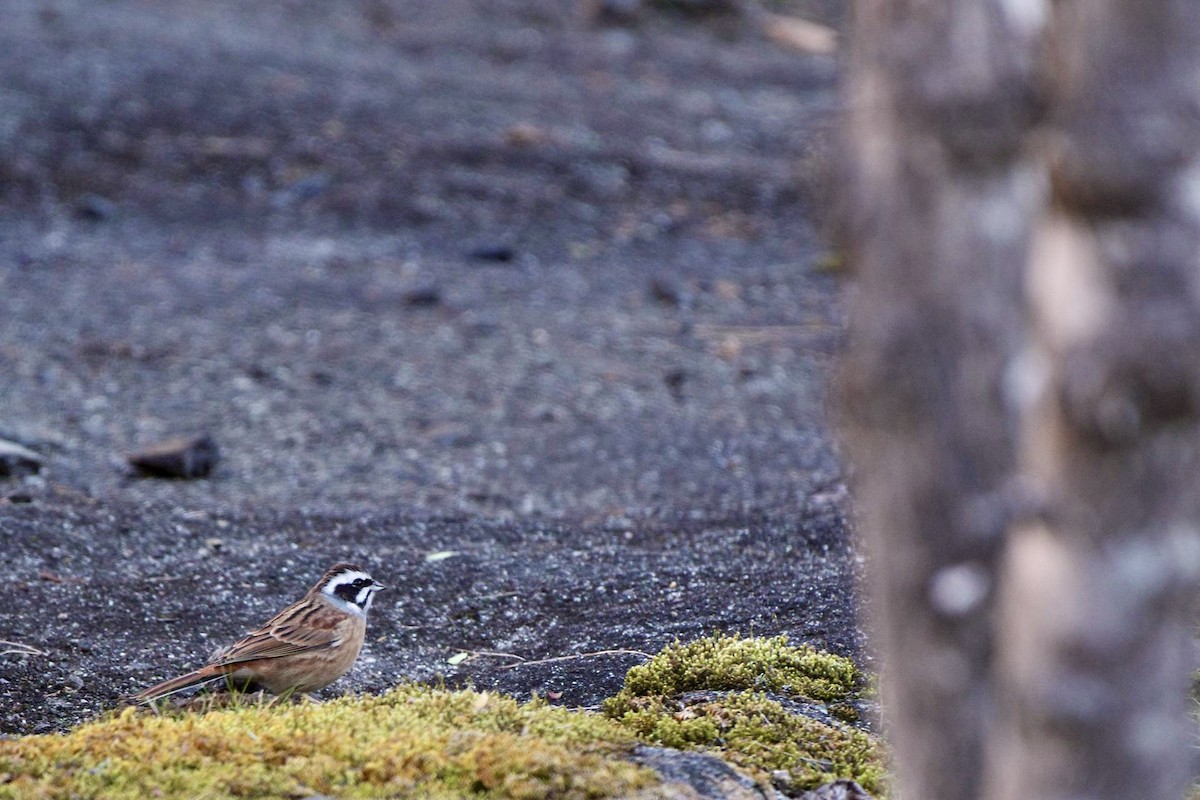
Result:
{"points": [[1023, 386]]}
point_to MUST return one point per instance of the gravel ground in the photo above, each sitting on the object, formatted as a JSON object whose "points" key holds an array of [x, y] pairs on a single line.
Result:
{"points": [[465, 277]]}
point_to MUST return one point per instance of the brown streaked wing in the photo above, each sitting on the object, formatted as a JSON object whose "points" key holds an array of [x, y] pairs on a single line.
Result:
{"points": [[298, 628]]}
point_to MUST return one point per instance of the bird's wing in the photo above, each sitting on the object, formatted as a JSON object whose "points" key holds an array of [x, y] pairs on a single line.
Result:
{"points": [[303, 626]]}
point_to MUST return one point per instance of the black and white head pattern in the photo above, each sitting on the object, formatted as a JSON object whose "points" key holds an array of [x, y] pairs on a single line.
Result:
{"points": [[351, 587]]}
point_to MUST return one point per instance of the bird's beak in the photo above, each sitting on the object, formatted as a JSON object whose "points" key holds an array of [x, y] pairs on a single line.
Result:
{"points": [[379, 587]]}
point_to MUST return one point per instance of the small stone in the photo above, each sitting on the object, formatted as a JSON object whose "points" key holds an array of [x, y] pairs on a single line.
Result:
{"points": [[183, 457], [500, 253], [17, 461], [423, 297], [665, 293], [781, 779], [544, 412], [674, 380], [705, 774], [525, 134], [94, 208], [612, 12], [700, 7], [842, 789]]}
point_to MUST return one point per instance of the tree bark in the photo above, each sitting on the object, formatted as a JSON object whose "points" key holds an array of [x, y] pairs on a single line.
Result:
{"points": [[1021, 389], [1096, 615], [940, 103]]}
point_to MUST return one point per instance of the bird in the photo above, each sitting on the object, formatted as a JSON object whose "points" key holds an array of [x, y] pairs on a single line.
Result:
{"points": [[305, 647]]}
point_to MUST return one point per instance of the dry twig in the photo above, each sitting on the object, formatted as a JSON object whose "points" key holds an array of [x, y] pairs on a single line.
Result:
{"points": [[17, 648], [473, 654], [576, 656]]}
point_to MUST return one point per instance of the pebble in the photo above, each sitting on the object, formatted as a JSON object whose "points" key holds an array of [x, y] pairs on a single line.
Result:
{"points": [[423, 297], [182, 457], [500, 253], [17, 461], [841, 789], [665, 292], [94, 208]]}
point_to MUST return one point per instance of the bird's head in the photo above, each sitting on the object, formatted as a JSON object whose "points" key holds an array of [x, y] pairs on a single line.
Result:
{"points": [[350, 585]]}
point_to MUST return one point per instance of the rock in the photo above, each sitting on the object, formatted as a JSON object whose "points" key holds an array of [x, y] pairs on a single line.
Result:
{"points": [[612, 12], [841, 789], [499, 253], [674, 380], [182, 457], [665, 292], [525, 134], [699, 8], [94, 208], [838, 790], [708, 776], [17, 461], [423, 297]]}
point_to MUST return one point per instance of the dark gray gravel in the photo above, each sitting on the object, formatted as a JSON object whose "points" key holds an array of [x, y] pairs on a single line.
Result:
{"points": [[265, 222]]}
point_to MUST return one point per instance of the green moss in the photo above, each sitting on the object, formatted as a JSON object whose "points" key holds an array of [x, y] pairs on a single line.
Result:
{"points": [[423, 742], [746, 727], [731, 663], [410, 741], [758, 734]]}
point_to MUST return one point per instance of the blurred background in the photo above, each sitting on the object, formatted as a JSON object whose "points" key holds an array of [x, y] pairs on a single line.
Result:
{"points": [[512, 257]]}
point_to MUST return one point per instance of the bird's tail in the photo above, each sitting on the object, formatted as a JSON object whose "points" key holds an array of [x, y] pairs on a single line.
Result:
{"points": [[193, 678]]}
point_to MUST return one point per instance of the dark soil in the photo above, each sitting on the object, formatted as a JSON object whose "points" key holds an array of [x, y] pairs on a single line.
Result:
{"points": [[475, 277]]}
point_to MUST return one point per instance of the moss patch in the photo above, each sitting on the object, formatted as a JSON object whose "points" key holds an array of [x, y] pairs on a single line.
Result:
{"points": [[426, 742], [746, 727], [730, 663], [410, 741]]}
